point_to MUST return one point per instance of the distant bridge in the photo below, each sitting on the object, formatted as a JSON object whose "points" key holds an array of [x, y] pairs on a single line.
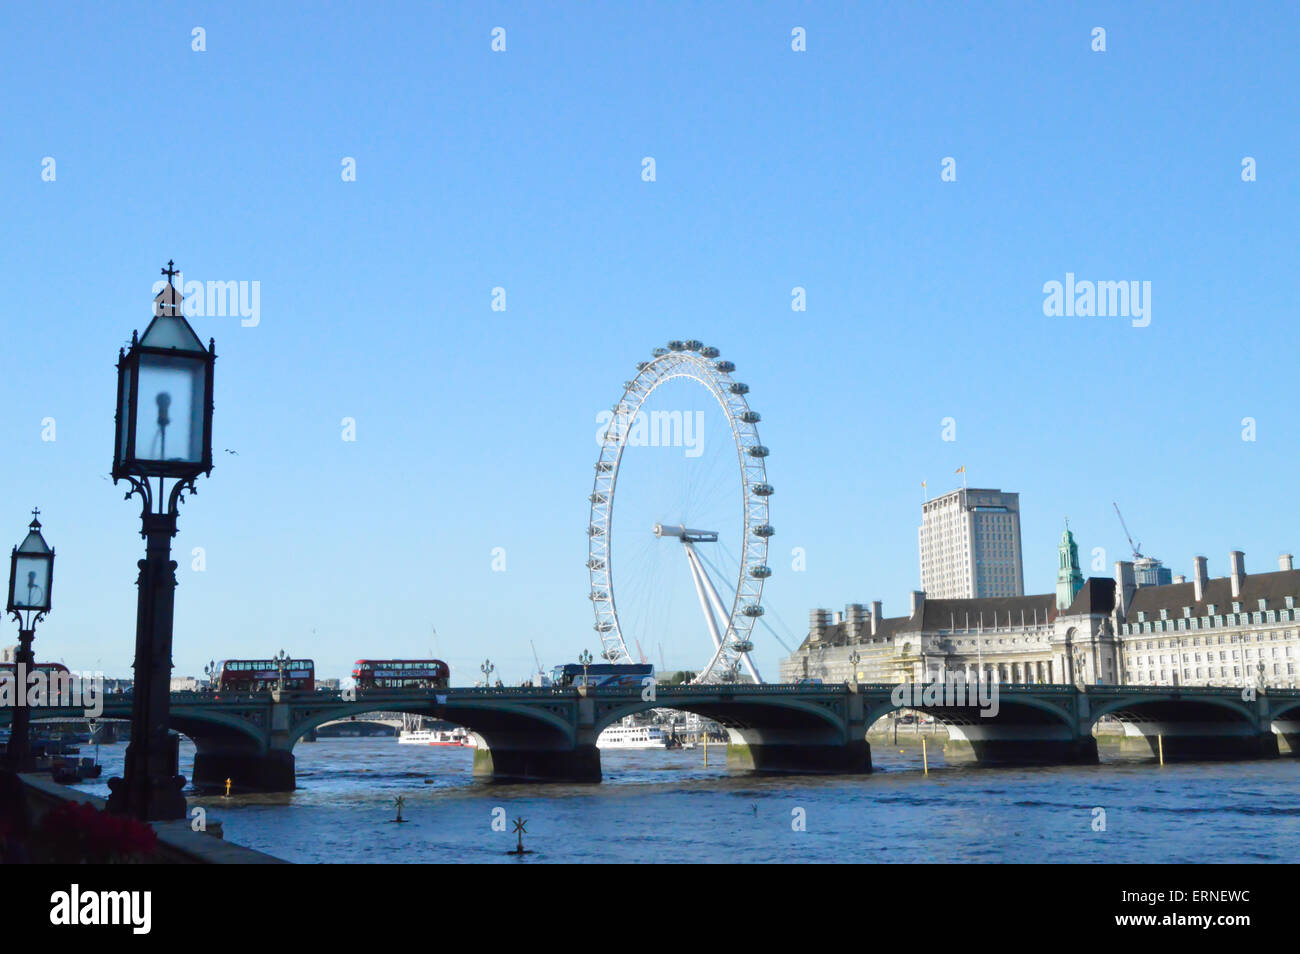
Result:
{"points": [[549, 734]]}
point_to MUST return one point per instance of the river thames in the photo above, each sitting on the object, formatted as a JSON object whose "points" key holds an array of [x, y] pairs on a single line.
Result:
{"points": [[664, 806]]}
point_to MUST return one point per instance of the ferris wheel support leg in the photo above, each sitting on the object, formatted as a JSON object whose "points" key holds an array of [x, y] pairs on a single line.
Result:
{"points": [[714, 598], [701, 585]]}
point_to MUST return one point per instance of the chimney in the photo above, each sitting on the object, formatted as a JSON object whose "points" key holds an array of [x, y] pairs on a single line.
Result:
{"points": [[818, 620], [876, 612], [918, 601], [1200, 577], [855, 620], [1180, 578], [1125, 585], [1284, 563], [1237, 563]]}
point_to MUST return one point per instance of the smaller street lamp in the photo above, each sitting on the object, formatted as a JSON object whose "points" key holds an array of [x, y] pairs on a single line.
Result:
{"points": [[211, 671], [31, 575], [281, 659], [487, 669], [854, 658]]}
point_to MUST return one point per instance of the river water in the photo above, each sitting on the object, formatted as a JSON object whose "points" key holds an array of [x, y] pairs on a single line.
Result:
{"points": [[667, 806]]}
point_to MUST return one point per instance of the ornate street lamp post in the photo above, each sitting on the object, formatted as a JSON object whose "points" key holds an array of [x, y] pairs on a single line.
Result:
{"points": [[281, 659], [487, 669], [211, 670], [164, 430], [31, 574], [854, 658], [585, 659]]}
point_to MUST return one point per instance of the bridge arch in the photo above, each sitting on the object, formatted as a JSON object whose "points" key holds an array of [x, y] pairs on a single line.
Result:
{"points": [[1021, 710], [755, 714], [1159, 706], [199, 725], [1185, 724], [479, 716]]}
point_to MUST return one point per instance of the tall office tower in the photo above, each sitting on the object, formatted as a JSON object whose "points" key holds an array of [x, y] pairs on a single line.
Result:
{"points": [[970, 545]]}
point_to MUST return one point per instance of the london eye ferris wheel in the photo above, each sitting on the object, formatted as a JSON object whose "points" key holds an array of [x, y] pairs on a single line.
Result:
{"points": [[736, 561]]}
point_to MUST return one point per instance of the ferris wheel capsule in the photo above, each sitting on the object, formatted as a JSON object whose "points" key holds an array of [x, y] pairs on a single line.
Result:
{"points": [[676, 345], [750, 417], [692, 345], [726, 367], [758, 450], [764, 530], [763, 490], [753, 610], [709, 352], [659, 352], [742, 646], [760, 572]]}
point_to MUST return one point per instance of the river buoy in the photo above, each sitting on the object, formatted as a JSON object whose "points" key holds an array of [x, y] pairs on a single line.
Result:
{"points": [[520, 830]]}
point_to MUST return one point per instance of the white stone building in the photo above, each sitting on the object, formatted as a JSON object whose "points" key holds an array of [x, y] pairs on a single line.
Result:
{"points": [[970, 545]]}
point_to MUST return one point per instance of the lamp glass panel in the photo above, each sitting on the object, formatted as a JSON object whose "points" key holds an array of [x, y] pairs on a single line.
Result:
{"points": [[123, 413], [31, 583], [169, 411]]}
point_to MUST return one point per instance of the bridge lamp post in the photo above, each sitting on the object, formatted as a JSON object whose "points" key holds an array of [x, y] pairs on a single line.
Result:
{"points": [[487, 669], [31, 574], [281, 658], [854, 658], [211, 671], [163, 431], [585, 659]]}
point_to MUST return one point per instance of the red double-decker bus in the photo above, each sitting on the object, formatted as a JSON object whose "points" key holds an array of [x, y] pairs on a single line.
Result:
{"points": [[254, 675], [401, 674]]}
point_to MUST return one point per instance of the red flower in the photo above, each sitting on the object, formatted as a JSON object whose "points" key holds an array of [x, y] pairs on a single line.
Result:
{"points": [[78, 832]]}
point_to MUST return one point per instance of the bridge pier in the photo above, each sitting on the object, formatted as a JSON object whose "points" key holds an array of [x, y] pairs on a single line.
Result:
{"points": [[796, 752], [1018, 745], [1209, 741], [499, 764], [1287, 735], [271, 771]]}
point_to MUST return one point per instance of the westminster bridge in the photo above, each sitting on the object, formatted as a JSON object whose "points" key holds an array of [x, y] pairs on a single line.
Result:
{"points": [[549, 734]]}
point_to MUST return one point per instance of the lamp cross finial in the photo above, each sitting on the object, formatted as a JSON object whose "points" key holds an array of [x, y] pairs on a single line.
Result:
{"points": [[170, 271]]}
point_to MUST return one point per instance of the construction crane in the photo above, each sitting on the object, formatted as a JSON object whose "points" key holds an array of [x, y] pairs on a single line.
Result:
{"points": [[541, 676], [1136, 547]]}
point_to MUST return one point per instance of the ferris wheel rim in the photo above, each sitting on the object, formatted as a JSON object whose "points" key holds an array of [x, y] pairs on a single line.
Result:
{"points": [[690, 360]]}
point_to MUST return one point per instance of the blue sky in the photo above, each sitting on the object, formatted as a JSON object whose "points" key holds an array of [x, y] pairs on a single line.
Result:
{"points": [[522, 170]]}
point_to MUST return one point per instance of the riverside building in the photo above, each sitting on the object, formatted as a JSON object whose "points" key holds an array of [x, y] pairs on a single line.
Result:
{"points": [[970, 545], [1228, 631]]}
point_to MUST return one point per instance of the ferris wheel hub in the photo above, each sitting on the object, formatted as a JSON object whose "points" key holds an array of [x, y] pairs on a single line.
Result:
{"points": [[686, 535]]}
